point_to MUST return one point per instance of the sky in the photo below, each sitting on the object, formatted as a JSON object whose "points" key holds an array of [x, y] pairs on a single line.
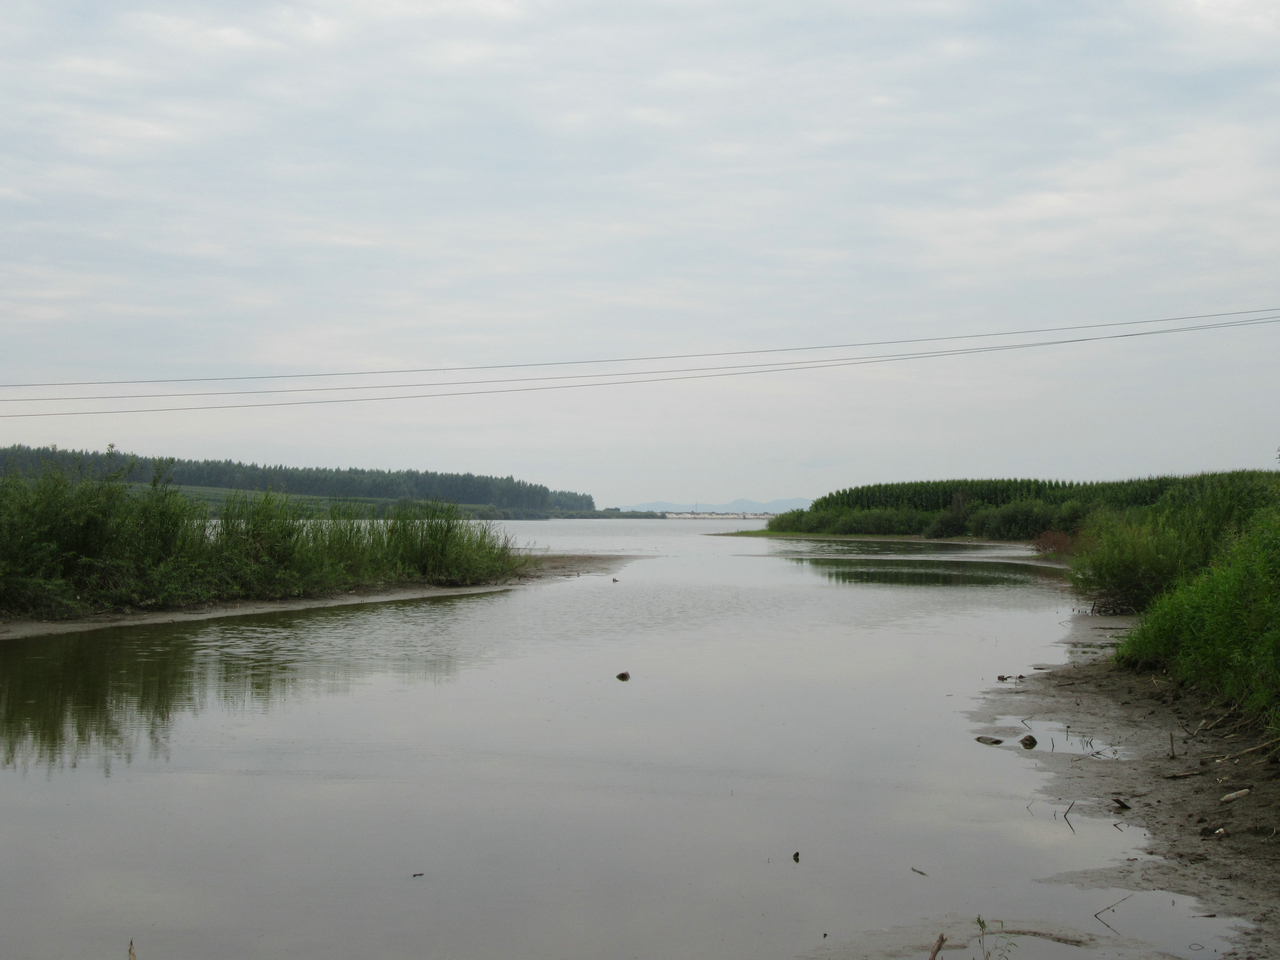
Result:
{"points": [[233, 189]]}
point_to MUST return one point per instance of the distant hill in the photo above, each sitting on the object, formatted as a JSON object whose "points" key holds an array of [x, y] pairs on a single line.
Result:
{"points": [[504, 493], [737, 506]]}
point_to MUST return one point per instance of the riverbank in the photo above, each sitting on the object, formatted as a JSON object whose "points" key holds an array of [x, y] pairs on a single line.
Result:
{"points": [[1225, 854], [544, 567]]}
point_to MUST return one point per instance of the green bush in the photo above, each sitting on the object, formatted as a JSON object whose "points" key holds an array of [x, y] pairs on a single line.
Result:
{"points": [[1019, 520], [1221, 630]]}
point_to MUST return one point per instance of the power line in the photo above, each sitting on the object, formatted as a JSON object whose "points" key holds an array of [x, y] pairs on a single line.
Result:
{"points": [[776, 366], [648, 359], [732, 371]]}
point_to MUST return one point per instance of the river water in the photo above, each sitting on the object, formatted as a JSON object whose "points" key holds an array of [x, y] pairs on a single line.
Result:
{"points": [[465, 778]]}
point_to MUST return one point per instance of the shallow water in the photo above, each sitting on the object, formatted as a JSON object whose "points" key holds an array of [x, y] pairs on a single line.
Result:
{"points": [[268, 786]]}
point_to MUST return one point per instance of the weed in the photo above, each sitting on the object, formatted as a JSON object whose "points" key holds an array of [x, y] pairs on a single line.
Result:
{"points": [[1001, 943]]}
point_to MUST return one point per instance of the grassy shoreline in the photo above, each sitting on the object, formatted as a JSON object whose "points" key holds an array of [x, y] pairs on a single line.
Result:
{"points": [[539, 567], [1197, 558], [71, 546]]}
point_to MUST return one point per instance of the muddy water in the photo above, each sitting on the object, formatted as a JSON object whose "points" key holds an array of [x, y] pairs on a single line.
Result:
{"points": [[465, 777]]}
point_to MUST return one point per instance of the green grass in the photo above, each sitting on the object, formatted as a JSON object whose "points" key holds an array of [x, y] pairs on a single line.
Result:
{"points": [[1221, 630], [1125, 559], [75, 545]]}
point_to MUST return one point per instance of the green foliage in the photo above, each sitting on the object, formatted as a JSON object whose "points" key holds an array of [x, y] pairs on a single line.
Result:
{"points": [[1221, 630], [935, 495], [71, 545], [851, 522], [1019, 520], [501, 492], [1025, 509], [1127, 558]]}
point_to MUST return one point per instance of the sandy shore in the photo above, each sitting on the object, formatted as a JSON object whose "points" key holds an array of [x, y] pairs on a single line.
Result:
{"points": [[543, 567]]}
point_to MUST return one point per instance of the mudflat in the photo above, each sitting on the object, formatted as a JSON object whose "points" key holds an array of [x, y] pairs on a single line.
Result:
{"points": [[1203, 782], [540, 567]]}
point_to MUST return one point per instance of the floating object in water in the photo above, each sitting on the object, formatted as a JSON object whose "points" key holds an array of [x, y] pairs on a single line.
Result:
{"points": [[417, 874], [615, 579], [921, 872], [1028, 742], [796, 856], [989, 741], [624, 676], [1239, 794]]}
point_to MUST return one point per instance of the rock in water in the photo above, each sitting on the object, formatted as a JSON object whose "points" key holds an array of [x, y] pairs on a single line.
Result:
{"points": [[624, 676]]}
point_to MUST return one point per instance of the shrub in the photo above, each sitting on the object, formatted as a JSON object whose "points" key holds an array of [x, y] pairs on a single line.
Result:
{"points": [[1222, 629], [1020, 520]]}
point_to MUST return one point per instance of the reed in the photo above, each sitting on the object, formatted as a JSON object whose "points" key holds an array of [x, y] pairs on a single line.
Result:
{"points": [[1128, 558], [71, 544], [1221, 630]]}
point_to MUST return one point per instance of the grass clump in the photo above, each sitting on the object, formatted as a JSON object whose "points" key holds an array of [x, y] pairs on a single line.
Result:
{"points": [[1221, 630], [71, 545]]}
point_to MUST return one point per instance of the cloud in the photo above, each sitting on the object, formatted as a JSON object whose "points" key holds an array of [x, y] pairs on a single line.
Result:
{"points": [[220, 186]]}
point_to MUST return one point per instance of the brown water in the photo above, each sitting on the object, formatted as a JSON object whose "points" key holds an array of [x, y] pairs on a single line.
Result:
{"points": [[268, 786]]}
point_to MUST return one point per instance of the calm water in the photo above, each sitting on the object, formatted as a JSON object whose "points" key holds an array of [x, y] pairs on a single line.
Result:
{"points": [[268, 786]]}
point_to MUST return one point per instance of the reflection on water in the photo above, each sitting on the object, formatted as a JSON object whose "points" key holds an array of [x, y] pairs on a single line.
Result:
{"points": [[102, 694], [930, 573]]}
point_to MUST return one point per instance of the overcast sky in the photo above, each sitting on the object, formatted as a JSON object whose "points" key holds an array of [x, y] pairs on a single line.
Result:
{"points": [[203, 189]]}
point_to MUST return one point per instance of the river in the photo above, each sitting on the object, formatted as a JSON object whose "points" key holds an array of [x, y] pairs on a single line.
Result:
{"points": [[466, 778]]}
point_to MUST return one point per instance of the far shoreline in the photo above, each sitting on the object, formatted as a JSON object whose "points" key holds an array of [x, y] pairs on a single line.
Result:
{"points": [[544, 567]]}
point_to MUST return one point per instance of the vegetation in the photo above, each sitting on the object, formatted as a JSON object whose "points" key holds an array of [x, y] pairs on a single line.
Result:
{"points": [[1221, 630], [1029, 509], [1198, 557], [1127, 558], [71, 544], [501, 493]]}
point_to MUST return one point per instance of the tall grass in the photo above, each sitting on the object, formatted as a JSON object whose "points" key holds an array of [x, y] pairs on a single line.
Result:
{"points": [[1128, 558], [1222, 630], [71, 545]]}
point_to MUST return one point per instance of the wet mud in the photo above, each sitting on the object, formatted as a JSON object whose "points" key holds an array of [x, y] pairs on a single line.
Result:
{"points": [[1141, 752]]}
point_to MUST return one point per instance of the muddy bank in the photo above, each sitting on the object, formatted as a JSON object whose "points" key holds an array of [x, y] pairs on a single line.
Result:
{"points": [[1226, 855], [1179, 756], [541, 567]]}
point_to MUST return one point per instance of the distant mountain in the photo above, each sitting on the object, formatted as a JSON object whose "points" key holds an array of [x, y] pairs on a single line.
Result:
{"points": [[737, 506]]}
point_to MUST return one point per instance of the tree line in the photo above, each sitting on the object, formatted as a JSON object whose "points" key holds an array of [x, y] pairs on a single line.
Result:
{"points": [[462, 488]]}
